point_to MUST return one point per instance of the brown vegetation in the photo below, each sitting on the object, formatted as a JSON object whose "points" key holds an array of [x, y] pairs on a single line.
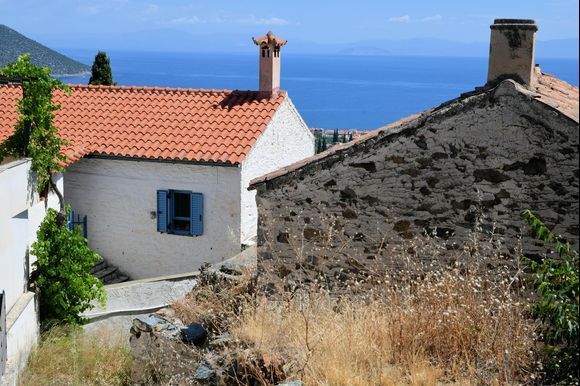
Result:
{"points": [[419, 325], [67, 356]]}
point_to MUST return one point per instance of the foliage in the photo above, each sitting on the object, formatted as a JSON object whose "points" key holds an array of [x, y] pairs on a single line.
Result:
{"points": [[35, 136], [63, 266], [335, 138], [101, 73], [556, 282], [319, 143]]}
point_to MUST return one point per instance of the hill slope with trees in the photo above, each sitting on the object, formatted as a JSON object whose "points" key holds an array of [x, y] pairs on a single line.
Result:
{"points": [[13, 44]]}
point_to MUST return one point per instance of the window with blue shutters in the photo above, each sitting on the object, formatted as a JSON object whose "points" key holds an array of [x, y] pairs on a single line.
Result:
{"points": [[180, 212]]}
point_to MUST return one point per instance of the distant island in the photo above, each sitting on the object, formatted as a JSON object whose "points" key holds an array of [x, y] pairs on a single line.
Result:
{"points": [[14, 44], [364, 51]]}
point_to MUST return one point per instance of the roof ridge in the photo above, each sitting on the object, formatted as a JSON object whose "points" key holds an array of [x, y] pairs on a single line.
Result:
{"points": [[418, 120], [163, 89]]}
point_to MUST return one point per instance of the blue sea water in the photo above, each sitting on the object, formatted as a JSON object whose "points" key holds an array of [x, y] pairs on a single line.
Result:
{"points": [[330, 91]]}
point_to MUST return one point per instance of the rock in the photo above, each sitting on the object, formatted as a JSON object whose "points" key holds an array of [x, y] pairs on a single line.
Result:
{"points": [[291, 383], [148, 323], [204, 373], [195, 334]]}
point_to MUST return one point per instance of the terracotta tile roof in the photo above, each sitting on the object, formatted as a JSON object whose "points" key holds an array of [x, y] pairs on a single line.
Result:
{"points": [[549, 90], [218, 126], [558, 94]]}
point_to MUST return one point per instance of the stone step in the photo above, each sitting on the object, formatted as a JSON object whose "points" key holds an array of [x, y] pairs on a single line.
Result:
{"points": [[119, 279], [103, 273], [99, 265]]}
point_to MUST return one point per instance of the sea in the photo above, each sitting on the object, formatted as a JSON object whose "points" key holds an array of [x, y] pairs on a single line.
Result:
{"points": [[329, 91]]}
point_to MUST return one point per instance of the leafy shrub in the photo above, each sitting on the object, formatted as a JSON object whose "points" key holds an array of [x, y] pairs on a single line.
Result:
{"points": [[35, 135], [556, 282], [63, 265]]}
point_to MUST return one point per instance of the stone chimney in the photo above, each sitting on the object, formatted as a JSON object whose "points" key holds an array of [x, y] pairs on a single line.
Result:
{"points": [[269, 62], [511, 50]]}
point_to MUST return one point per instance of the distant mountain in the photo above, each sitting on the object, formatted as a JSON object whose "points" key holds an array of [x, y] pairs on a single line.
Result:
{"points": [[14, 44], [560, 48], [364, 51]]}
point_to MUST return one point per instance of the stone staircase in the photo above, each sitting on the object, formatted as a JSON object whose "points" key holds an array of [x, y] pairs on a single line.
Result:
{"points": [[107, 273]]}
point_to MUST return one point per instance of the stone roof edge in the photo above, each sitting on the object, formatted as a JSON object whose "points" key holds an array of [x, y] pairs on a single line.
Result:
{"points": [[411, 122]]}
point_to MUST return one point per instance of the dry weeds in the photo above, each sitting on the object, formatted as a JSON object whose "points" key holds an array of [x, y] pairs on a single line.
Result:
{"points": [[67, 356], [445, 328]]}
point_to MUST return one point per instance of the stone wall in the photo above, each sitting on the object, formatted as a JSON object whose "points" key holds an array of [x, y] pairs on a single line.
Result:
{"points": [[474, 163]]}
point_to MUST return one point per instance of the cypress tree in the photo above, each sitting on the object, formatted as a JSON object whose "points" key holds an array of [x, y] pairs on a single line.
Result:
{"points": [[335, 136], [101, 71]]}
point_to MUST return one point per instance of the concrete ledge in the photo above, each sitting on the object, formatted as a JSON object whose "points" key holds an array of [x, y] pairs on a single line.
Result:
{"points": [[142, 296], [176, 277], [18, 308], [22, 333]]}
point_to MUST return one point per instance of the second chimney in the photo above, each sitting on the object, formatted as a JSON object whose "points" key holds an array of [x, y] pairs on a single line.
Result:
{"points": [[511, 50], [269, 62]]}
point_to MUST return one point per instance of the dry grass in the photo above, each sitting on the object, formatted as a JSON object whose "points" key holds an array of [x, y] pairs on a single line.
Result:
{"points": [[67, 356], [445, 329]]}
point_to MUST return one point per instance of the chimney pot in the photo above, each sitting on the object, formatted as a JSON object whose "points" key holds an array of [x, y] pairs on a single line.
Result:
{"points": [[269, 54], [511, 50]]}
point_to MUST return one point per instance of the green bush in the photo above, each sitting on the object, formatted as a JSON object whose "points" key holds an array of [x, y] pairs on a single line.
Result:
{"points": [[64, 261], [555, 281]]}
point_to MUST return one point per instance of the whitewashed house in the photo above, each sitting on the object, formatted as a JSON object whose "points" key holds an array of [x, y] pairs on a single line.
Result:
{"points": [[21, 212], [162, 173]]}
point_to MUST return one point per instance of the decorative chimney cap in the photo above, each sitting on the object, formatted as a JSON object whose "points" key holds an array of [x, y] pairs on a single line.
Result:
{"points": [[520, 24], [268, 39]]}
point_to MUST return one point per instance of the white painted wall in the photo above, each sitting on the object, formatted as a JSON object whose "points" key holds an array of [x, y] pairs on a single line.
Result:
{"points": [[21, 212], [23, 332], [285, 140], [119, 197]]}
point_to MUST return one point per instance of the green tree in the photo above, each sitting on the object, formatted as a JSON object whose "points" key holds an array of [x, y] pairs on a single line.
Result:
{"points": [[555, 281], [62, 267], [35, 136], [101, 73], [335, 136], [62, 270]]}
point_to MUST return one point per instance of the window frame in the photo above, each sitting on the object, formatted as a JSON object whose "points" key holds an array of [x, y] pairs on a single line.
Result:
{"points": [[170, 223], [170, 213]]}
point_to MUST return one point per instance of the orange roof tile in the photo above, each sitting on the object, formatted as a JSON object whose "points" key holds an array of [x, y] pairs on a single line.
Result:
{"points": [[218, 126]]}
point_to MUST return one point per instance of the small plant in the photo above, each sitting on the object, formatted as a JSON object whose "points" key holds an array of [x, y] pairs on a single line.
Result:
{"points": [[63, 265], [556, 283]]}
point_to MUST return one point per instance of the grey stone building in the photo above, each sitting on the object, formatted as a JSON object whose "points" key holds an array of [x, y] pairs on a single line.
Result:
{"points": [[467, 167]]}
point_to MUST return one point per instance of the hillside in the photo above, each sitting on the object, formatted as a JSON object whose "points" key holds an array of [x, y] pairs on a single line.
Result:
{"points": [[14, 44]]}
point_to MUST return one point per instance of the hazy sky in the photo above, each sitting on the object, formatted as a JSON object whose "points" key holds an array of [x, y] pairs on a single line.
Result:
{"points": [[55, 21]]}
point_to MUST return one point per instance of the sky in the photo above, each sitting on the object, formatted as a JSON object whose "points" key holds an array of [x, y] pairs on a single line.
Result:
{"points": [[72, 23]]}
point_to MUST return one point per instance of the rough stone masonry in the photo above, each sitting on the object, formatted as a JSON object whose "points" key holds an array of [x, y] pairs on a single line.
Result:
{"points": [[479, 159]]}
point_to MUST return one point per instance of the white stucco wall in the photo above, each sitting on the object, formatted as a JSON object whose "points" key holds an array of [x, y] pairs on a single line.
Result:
{"points": [[119, 198], [21, 212], [286, 140]]}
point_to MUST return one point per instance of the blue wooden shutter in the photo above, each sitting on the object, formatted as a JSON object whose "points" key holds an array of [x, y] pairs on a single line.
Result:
{"points": [[196, 214], [162, 211]]}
